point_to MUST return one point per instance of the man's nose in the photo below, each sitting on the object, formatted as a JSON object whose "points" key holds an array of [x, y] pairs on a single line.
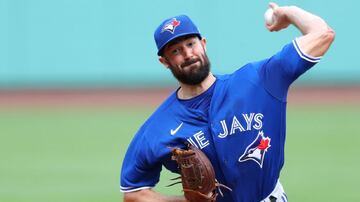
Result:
{"points": [[187, 53]]}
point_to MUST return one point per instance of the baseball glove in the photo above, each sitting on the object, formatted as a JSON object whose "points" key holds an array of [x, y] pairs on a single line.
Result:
{"points": [[197, 175]]}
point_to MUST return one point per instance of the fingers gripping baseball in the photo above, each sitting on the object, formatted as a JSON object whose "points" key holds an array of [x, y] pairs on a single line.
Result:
{"points": [[275, 17]]}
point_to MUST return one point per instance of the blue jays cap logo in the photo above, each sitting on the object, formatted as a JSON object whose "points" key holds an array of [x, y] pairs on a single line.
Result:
{"points": [[171, 26], [257, 149]]}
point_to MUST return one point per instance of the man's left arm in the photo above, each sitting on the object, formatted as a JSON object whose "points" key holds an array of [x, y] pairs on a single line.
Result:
{"points": [[317, 35]]}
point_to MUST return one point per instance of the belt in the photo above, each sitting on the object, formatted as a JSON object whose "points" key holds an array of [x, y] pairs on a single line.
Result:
{"points": [[277, 195]]}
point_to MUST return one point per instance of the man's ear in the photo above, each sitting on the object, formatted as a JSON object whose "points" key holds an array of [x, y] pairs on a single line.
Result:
{"points": [[164, 61], [203, 43]]}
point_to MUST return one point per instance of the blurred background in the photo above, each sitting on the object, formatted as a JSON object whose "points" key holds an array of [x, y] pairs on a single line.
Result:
{"points": [[79, 77]]}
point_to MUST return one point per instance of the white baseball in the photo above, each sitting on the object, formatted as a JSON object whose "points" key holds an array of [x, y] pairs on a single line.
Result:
{"points": [[269, 16]]}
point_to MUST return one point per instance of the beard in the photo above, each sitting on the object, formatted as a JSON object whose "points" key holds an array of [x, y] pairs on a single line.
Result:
{"points": [[190, 73]]}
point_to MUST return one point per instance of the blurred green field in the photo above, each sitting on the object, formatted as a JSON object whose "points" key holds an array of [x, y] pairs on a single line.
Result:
{"points": [[69, 154]]}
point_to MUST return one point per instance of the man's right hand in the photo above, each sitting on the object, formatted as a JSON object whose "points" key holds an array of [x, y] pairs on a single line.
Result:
{"points": [[280, 19], [317, 35]]}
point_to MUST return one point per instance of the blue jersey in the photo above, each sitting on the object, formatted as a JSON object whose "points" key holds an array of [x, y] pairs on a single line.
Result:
{"points": [[242, 130]]}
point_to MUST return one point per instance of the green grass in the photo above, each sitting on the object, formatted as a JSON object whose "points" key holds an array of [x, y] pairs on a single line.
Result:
{"points": [[64, 154], [322, 154], [76, 154]]}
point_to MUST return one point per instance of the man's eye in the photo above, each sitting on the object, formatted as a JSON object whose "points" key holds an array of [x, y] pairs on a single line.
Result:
{"points": [[175, 51], [190, 44]]}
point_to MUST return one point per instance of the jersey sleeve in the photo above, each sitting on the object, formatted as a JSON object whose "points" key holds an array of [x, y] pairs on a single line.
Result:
{"points": [[279, 71], [140, 169]]}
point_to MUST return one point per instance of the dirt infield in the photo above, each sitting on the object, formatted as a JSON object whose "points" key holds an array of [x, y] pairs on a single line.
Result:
{"points": [[153, 97]]}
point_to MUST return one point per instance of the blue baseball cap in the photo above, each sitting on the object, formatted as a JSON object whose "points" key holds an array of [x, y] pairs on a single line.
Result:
{"points": [[173, 28]]}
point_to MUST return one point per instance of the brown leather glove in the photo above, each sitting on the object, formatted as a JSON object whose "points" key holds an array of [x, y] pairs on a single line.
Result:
{"points": [[197, 175]]}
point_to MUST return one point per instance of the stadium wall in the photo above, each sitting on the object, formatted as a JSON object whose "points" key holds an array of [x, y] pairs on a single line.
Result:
{"points": [[97, 43]]}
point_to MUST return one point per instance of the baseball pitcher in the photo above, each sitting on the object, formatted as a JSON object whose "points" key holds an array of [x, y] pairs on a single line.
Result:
{"points": [[224, 134]]}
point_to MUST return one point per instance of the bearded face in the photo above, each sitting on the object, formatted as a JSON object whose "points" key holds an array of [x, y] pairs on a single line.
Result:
{"points": [[187, 60], [193, 71]]}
